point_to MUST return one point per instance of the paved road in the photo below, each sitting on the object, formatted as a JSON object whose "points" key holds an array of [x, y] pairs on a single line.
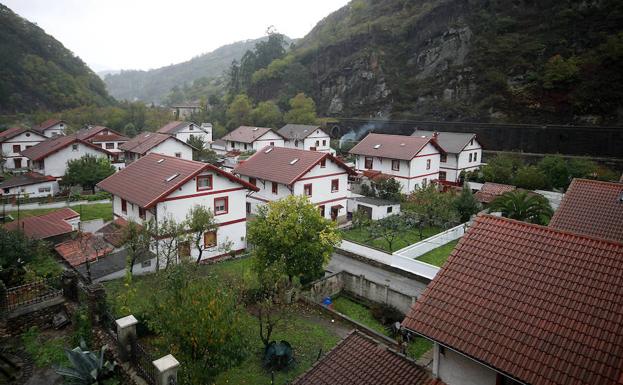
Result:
{"points": [[395, 281]]}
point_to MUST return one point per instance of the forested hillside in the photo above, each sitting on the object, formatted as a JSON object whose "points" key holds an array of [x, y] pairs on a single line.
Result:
{"points": [[38, 72]]}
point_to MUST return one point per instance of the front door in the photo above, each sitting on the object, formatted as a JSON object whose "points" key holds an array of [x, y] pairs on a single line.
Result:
{"points": [[334, 212], [18, 162], [366, 210]]}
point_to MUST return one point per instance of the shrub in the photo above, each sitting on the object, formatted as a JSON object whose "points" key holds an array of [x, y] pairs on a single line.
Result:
{"points": [[386, 314]]}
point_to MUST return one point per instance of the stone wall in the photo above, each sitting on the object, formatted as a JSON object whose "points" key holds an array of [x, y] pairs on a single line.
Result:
{"points": [[40, 315]]}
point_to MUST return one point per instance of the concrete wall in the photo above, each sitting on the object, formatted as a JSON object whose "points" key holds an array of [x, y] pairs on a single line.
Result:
{"points": [[461, 162], [378, 212], [420, 248], [456, 369]]}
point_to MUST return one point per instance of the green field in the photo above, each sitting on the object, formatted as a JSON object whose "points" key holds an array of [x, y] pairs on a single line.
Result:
{"points": [[439, 255], [407, 237]]}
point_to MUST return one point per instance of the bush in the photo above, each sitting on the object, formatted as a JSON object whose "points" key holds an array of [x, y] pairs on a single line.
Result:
{"points": [[386, 314], [83, 327], [44, 352]]}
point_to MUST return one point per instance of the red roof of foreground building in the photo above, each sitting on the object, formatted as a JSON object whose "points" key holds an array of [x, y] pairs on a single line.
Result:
{"points": [[359, 360], [392, 146], [490, 191], [85, 246], [45, 225], [155, 176], [593, 208], [284, 165], [540, 305]]}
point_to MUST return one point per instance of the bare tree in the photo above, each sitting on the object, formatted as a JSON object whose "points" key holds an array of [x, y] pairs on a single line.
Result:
{"points": [[169, 236]]}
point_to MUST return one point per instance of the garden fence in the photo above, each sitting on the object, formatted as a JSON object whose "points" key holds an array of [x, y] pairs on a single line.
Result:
{"points": [[33, 292], [142, 361]]}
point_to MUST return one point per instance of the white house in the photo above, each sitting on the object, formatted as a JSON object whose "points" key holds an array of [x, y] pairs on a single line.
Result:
{"points": [[463, 153], [306, 137], [279, 172], [103, 137], [185, 111], [184, 130], [159, 186], [373, 208], [13, 141], [219, 146], [51, 128], [154, 142], [412, 161], [31, 183], [245, 138], [50, 157]]}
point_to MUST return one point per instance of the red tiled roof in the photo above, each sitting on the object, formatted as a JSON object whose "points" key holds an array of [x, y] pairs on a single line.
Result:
{"points": [[94, 134], [171, 127], [45, 225], [541, 305], [275, 164], [52, 145], [490, 191], [26, 179], [246, 134], [145, 141], [359, 360], [144, 181], [593, 208], [392, 146], [10, 132], [47, 124], [113, 232], [76, 251]]}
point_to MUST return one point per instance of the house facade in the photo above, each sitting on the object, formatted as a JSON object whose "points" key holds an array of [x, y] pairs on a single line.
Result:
{"points": [[279, 172], [245, 138], [154, 142], [185, 111], [463, 153], [185, 130], [103, 137], [412, 161], [13, 141], [31, 183], [51, 128], [306, 137], [158, 187]]}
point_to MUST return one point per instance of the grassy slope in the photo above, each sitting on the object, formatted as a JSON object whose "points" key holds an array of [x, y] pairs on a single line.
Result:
{"points": [[439, 255]]}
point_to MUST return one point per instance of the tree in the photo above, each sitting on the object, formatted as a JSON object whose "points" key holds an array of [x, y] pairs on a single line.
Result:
{"points": [[388, 228], [386, 188], [266, 114], [201, 150], [16, 250], [531, 178], [169, 234], [466, 204], [292, 230], [302, 110], [239, 111], [87, 171], [581, 168], [427, 206], [137, 239], [199, 221], [129, 130], [555, 170], [524, 206], [501, 168]]}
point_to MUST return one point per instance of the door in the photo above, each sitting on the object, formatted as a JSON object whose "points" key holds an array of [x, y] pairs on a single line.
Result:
{"points": [[334, 212], [366, 210], [18, 162]]}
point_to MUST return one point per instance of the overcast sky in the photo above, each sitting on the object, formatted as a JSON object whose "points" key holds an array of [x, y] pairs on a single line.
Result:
{"points": [[143, 34]]}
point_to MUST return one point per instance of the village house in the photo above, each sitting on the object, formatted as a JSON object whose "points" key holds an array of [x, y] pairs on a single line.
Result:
{"points": [[159, 186], [154, 142], [305, 137], [13, 141], [31, 184], [412, 161], [104, 137], [593, 208], [518, 303], [51, 128], [55, 226], [219, 146], [245, 138], [185, 130], [50, 157], [279, 172], [373, 208], [185, 111], [463, 153]]}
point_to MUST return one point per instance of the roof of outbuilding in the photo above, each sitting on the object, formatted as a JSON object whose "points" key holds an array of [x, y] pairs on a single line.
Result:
{"points": [[297, 131], [147, 180], [451, 142], [86, 245], [392, 146], [26, 179], [145, 141], [360, 360], [593, 208], [284, 165], [246, 134], [538, 304], [45, 225], [46, 124], [172, 127], [490, 191], [52, 145]]}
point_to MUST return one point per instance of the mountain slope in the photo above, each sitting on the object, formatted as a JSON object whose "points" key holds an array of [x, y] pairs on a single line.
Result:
{"points": [[38, 72], [154, 85]]}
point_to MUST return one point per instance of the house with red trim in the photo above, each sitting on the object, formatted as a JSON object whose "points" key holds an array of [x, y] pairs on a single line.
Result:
{"points": [[186, 130], [518, 303], [245, 138], [13, 141], [278, 172], [31, 184], [103, 137], [412, 161], [51, 128], [157, 186], [155, 142]]}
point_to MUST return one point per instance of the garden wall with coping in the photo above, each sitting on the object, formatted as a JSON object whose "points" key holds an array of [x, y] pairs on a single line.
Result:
{"points": [[424, 246]]}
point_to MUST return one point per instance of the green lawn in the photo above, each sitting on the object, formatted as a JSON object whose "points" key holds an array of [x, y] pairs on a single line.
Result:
{"points": [[88, 212], [439, 255], [406, 238]]}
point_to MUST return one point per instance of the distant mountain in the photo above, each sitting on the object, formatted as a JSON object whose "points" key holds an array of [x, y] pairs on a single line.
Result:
{"points": [[38, 72], [154, 85]]}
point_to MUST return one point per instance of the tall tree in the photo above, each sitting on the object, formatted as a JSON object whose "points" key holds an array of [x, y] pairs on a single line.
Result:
{"points": [[87, 171], [302, 110], [199, 221], [239, 111], [466, 204], [266, 114], [523, 206]]}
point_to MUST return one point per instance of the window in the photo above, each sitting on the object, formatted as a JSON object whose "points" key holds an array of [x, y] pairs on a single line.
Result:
{"points": [[110, 146], [324, 142], [178, 154], [475, 156], [471, 142], [233, 144], [17, 148], [248, 207], [335, 185], [221, 205], [124, 206], [296, 143], [390, 209], [443, 158], [45, 189], [442, 175], [191, 127], [323, 163], [204, 182], [7, 190], [146, 263], [245, 146], [141, 213], [308, 189], [317, 143], [183, 249], [253, 181], [321, 209], [424, 182], [368, 162], [275, 187], [74, 147], [272, 143], [470, 157], [395, 165], [209, 239], [428, 164], [28, 135]]}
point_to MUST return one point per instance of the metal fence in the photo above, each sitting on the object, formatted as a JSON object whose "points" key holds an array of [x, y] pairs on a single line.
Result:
{"points": [[33, 292], [142, 361]]}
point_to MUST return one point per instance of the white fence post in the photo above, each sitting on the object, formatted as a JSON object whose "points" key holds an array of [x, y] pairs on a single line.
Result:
{"points": [[167, 367], [126, 332]]}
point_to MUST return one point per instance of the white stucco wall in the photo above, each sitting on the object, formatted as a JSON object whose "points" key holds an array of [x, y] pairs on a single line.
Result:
{"points": [[461, 162], [456, 369], [33, 190], [323, 142], [56, 163], [184, 133], [115, 145], [265, 140], [378, 212], [23, 140], [55, 130]]}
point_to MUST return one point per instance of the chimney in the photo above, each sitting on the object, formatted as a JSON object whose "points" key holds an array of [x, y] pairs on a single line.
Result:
{"points": [[435, 135]]}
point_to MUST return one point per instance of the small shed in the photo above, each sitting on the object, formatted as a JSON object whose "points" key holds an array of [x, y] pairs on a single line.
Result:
{"points": [[374, 208]]}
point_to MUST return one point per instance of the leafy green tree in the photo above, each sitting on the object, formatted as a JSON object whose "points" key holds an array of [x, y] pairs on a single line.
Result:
{"points": [[266, 114], [581, 168], [560, 72], [292, 230], [388, 188], [531, 178], [239, 111], [16, 251], [466, 204], [501, 168], [137, 239], [87, 171], [302, 110], [130, 130], [555, 170], [199, 220], [430, 207], [389, 229], [524, 206], [201, 150]]}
